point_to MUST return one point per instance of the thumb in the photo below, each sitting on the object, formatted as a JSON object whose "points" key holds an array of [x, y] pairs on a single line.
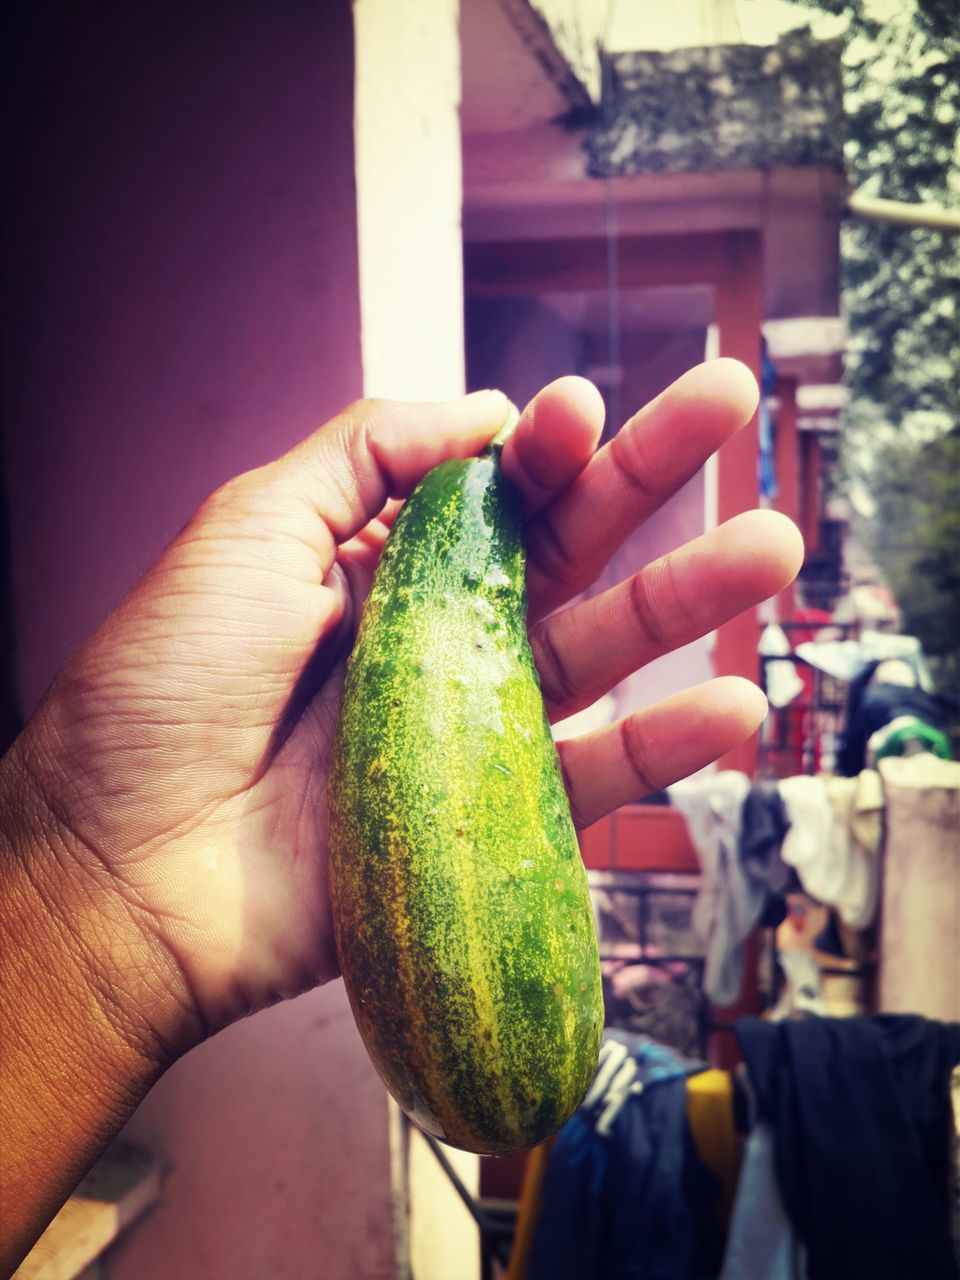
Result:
{"points": [[380, 449]]}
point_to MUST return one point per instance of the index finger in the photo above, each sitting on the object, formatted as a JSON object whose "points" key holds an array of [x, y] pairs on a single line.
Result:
{"points": [[553, 441]]}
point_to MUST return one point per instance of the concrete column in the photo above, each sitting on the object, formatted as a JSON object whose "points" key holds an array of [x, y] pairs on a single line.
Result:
{"points": [[407, 97], [408, 165]]}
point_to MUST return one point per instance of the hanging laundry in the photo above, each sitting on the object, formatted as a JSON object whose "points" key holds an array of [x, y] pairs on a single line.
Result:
{"points": [[625, 1194], [762, 1243], [857, 805], [763, 826], [814, 846], [920, 929], [841, 659], [730, 899], [866, 819], [781, 680], [802, 987], [838, 939], [906, 735], [871, 704], [766, 464], [860, 1110]]}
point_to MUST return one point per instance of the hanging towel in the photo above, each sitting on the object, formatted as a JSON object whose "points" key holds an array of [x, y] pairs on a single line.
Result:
{"points": [[730, 898], [815, 844], [920, 929], [858, 815]]}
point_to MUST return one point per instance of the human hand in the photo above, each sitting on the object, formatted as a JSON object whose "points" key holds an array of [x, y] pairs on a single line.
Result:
{"points": [[177, 770]]}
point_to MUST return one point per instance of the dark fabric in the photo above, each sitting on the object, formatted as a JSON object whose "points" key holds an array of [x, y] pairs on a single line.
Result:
{"points": [[774, 912], [871, 707], [861, 1113], [763, 824], [828, 940], [637, 1203]]}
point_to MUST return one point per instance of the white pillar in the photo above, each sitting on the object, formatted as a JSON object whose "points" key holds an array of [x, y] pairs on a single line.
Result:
{"points": [[407, 131], [408, 168]]}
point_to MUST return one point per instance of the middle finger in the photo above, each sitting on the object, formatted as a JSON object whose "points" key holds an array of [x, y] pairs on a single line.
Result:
{"points": [[657, 451]]}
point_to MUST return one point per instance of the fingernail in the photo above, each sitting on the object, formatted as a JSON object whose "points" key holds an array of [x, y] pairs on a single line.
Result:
{"points": [[508, 427]]}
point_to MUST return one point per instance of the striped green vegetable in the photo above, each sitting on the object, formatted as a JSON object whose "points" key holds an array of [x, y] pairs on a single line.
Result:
{"points": [[463, 922]]}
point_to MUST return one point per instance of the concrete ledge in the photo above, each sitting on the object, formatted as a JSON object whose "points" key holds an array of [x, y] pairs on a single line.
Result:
{"points": [[120, 1187], [721, 107]]}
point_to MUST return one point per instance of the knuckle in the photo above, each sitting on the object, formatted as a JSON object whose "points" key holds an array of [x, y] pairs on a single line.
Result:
{"points": [[556, 681], [362, 413], [229, 498], [549, 555], [646, 603], [659, 606], [256, 495], [636, 752], [628, 458]]}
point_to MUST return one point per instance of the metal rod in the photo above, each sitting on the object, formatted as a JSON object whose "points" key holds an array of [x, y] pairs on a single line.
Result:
{"points": [[901, 213]]}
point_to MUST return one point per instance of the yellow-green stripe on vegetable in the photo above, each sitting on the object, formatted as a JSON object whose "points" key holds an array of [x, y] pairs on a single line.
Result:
{"points": [[462, 917]]}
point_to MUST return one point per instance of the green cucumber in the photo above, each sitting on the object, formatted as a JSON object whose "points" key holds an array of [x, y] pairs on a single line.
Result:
{"points": [[462, 918]]}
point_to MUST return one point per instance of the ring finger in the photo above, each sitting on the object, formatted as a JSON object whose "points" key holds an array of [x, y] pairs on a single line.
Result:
{"points": [[674, 600]]}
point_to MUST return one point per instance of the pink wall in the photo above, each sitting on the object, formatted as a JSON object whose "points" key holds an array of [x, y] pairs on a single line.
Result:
{"points": [[182, 304], [183, 280], [274, 1136]]}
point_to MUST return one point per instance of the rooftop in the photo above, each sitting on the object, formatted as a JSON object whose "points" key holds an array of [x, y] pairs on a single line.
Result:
{"points": [[720, 107]]}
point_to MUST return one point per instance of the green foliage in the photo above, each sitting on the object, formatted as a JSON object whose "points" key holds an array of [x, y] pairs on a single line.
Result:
{"points": [[902, 97], [916, 537], [901, 285]]}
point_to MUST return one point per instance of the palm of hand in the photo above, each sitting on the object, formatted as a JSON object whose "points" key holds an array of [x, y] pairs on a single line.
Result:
{"points": [[182, 756], [193, 743]]}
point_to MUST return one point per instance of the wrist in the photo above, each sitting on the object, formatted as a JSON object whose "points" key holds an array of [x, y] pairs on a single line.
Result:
{"points": [[68, 1081], [73, 907]]}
